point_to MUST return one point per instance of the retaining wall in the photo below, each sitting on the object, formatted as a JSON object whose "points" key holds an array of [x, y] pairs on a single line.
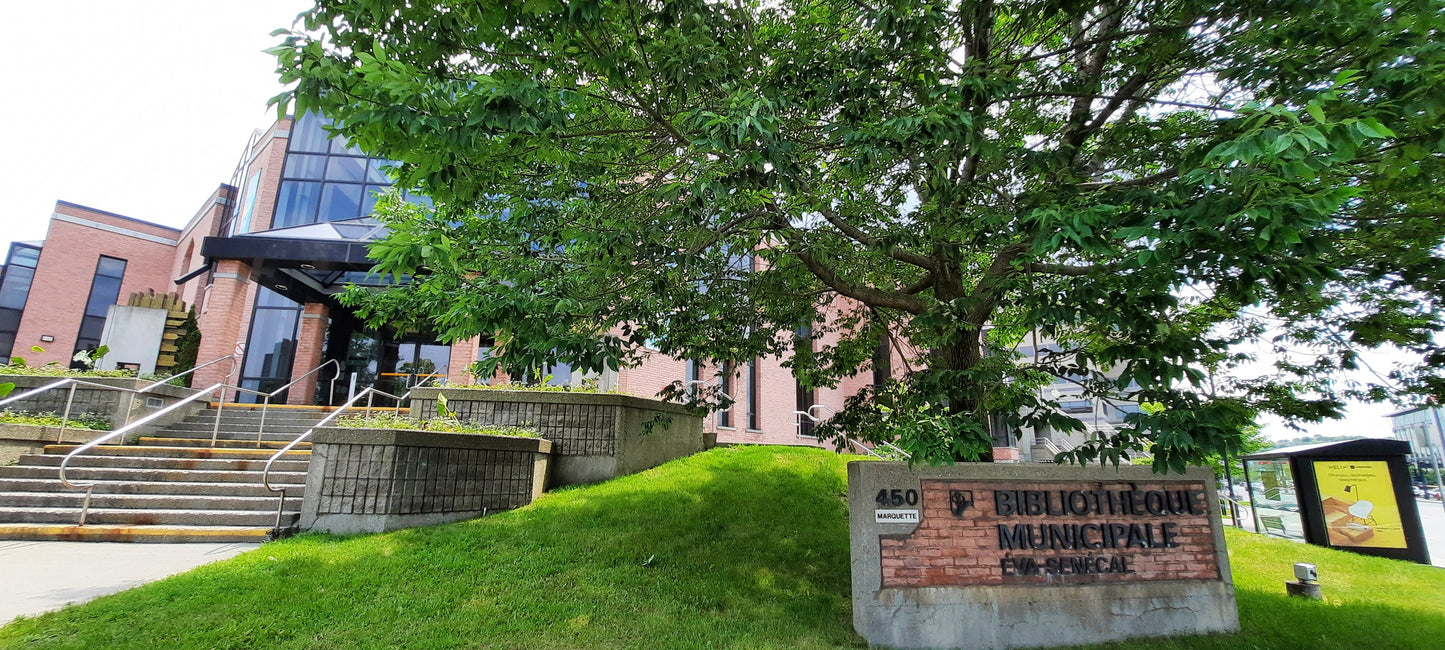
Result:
{"points": [[19, 439], [111, 405], [595, 436], [374, 480]]}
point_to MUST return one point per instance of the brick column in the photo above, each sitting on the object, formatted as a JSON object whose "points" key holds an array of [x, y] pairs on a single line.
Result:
{"points": [[223, 321], [463, 354], [310, 339]]}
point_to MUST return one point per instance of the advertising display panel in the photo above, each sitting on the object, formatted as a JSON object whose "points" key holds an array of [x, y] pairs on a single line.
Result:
{"points": [[1358, 500]]}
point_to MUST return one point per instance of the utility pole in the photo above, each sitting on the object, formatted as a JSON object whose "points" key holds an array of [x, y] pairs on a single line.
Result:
{"points": [[1439, 435]]}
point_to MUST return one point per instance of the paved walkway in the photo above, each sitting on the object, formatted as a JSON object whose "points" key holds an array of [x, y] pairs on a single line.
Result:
{"points": [[38, 577]]}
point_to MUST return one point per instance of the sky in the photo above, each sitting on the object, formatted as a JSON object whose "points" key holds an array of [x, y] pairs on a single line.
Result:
{"points": [[142, 107], [139, 107]]}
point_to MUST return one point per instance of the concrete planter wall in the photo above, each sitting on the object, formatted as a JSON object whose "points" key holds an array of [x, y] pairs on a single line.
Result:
{"points": [[101, 403], [375, 480], [18, 439], [596, 436]]}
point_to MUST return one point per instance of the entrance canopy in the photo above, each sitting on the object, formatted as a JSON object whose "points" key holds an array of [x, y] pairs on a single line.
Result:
{"points": [[309, 263]]}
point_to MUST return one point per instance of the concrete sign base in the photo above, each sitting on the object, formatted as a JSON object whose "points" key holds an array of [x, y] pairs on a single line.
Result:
{"points": [[1017, 556]]}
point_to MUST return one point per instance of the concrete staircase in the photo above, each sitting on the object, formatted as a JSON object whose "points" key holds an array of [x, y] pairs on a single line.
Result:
{"points": [[171, 486]]}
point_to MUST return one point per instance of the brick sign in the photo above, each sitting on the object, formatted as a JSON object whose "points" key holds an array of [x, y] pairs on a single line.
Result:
{"points": [[934, 547], [991, 533]]}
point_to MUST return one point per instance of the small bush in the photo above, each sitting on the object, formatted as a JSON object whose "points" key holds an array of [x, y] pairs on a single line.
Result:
{"points": [[389, 420], [52, 420]]}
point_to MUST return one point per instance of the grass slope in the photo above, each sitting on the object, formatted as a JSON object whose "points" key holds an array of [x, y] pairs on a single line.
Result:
{"points": [[733, 548]]}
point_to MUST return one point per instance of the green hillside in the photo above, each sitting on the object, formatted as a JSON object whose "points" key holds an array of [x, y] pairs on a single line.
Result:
{"points": [[732, 548]]}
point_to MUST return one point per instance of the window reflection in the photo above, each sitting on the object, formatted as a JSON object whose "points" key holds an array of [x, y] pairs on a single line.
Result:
{"points": [[304, 166], [15, 283], [271, 345], [104, 292], [296, 204], [340, 201], [342, 168], [1273, 499], [351, 178]]}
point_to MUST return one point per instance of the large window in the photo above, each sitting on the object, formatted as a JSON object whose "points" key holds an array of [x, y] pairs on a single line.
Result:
{"points": [[15, 283], [883, 360], [326, 179], [754, 404], [725, 384], [807, 396], [271, 345], [104, 291]]}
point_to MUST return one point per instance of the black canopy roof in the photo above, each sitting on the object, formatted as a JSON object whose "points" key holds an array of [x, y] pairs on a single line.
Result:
{"points": [[1362, 447]]}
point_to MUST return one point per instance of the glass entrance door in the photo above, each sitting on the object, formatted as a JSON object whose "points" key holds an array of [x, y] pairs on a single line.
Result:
{"points": [[407, 363]]}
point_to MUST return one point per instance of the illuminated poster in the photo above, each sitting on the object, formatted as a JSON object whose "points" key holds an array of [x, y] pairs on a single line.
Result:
{"points": [[1358, 499]]}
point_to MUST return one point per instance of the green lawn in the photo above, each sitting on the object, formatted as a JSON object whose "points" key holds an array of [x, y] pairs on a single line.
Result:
{"points": [[733, 548]]}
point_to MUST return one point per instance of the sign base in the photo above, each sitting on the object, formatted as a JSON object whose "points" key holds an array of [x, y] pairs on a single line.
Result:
{"points": [[1019, 556]]}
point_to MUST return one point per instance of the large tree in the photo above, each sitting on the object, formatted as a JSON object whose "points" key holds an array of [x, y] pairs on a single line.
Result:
{"points": [[1145, 183]]}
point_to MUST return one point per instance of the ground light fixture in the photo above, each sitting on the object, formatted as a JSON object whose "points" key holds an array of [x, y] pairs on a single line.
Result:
{"points": [[1306, 583]]}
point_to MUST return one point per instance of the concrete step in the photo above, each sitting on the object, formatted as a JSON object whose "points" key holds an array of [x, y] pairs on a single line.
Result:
{"points": [[239, 436], [167, 488], [90, 474], [179, 452], [164, 463], [186, 517], [232, 416], [146, 501], [220, 444], [155, 534], [208, 427]]}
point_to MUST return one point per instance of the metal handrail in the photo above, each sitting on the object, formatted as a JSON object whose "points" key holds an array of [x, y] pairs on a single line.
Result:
{"points": [[368, 392], [1234, 507], [798, 422], [149, 387], [89, 488], [375, 391], [69, 399], [266, 405], [74, 382], [799, 415], [162, 382]]}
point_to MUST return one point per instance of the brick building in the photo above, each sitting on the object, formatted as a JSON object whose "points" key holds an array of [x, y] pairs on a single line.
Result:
{"points": [[261, 260]]}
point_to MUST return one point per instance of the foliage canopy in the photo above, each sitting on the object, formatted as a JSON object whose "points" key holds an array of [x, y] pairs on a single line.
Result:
{"points": [[1145, 183]]}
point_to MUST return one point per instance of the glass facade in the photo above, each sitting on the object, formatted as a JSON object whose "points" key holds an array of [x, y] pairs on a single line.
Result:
{"points": [[104, 291], [271, 345], [14, 292], [326, 179]]}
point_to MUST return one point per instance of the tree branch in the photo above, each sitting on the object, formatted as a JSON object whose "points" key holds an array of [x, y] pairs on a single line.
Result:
{"points": [[896, 252], [1133, 182]]}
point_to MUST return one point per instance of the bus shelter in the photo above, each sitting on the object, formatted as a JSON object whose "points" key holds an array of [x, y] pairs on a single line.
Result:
{"points": [[1353, 495]]}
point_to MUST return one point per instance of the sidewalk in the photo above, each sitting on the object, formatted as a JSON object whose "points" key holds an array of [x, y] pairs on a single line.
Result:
{"points": [[38, 577]]}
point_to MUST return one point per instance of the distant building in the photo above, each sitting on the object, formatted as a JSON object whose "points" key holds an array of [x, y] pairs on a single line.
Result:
{"points": [[1421, 427]]}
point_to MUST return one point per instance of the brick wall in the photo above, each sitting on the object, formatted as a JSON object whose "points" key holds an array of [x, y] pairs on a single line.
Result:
{"points": [[268, 158], [188, 258], [962, 550], [224, 320], [67, 264]]}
